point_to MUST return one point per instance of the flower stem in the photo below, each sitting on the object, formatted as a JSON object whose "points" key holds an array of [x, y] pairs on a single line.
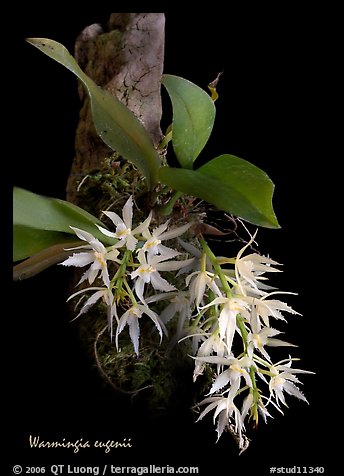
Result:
{"points": [[204, 263], [130, 293], [120, 274], [240, 324], [167, 209], [224, 281], [255, 391], [216, 266], [165, 140]]}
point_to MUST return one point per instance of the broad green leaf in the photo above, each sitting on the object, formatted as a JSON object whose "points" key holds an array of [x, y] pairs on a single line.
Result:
{"points": [[43, 221], [29, 241], [193, 118], [231, 184], [117, 126], [46, 213]]}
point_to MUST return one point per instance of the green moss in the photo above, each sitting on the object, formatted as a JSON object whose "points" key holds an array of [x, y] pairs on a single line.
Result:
{"points": [[159, 380], [109, 186]]}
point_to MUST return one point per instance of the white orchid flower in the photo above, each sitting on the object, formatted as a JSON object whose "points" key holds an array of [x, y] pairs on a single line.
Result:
{"points": [[265, 308], [260, 337], [196, 253], [212, 344], [180, 305], [200, 281], [131, 318], [250, 268], [231, 307], [97, 256], [265, 337], [225, 409], [148, 271], [100, 293], [153, 244], [283, 379], [237, 368], [124, 232]]}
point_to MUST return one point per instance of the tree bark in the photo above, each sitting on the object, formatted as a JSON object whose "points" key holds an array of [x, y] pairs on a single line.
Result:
{"points": [[127, 60]]}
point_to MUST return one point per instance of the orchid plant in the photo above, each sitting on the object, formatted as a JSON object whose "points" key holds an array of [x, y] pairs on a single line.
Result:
{"points": [[159, 268]]}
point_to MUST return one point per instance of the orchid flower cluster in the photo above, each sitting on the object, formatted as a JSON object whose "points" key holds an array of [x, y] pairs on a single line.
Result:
{"points": [[223, 305]]}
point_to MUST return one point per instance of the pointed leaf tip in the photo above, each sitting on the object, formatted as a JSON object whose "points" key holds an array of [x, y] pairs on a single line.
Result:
{"points": [[117, 126], [231, 184]]}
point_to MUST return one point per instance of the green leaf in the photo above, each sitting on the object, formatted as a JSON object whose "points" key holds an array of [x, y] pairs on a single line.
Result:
{"points": [[193, 118], [46, 213], [40, 222], [29, 241], [231, 184], [117, 126]]}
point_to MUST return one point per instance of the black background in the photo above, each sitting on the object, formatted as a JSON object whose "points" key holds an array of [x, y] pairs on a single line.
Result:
{"points": [[274, 110]]}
